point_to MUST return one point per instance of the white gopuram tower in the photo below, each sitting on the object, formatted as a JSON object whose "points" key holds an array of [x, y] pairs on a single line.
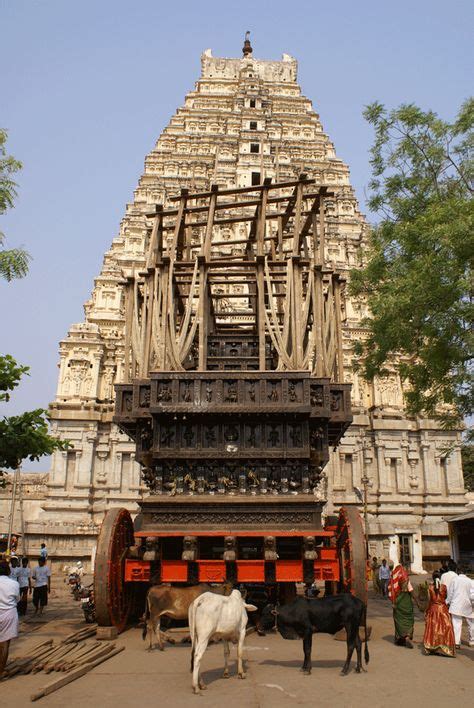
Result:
{"points": [[245, 120]]}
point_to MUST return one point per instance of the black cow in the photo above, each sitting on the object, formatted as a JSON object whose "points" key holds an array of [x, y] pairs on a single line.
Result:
{"points": [[303, 616]]}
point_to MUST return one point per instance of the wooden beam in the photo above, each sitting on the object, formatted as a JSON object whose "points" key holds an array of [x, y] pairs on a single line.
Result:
{"points": [[297, 220], [318, 315], [128, 290], [262, 217], [206, 249], [241, 219], [261, 313], [322, 234], [245, 190], [338, 325], [179, 225]]}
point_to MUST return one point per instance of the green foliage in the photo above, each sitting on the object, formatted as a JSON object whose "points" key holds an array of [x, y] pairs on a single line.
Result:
{"points": [[26, 435], [13, 261], [10, 375], [467, 454], [417, 276]]}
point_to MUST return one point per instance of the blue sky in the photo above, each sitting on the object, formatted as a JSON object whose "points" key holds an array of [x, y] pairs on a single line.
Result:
{"points": [[87, 87]]}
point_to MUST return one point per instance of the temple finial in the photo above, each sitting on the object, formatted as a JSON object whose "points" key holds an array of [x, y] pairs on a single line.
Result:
{"points": [[247, 48]]}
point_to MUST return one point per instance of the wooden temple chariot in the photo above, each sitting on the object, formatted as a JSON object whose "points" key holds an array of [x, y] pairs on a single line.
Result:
{"points": [[233, 392]]}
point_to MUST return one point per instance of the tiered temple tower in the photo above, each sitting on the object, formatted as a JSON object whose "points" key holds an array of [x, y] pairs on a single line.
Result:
{"points": [[245, 120]]}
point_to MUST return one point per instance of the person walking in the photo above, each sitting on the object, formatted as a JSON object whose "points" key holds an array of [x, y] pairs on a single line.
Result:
{"points": [[9, 596], [459, 601], [439, 635], [42, 576], [374, 567], [24, 581], [449, 574], [44, 551], [400, 591], [384, 577], [14, 568]]}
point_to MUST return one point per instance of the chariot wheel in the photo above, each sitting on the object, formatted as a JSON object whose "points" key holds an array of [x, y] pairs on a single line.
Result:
{"points": [[113, 597], [350, 540]]}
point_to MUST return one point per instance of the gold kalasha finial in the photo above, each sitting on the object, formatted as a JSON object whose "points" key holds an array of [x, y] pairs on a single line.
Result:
{"points": [[247, 48]]}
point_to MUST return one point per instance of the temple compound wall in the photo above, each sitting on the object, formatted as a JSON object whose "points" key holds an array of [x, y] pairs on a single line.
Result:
{"points": [[245, 120]]}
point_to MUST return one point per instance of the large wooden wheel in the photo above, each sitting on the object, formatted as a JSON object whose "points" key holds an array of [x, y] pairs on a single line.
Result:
{"points": [[113, 597], [352, 552]]}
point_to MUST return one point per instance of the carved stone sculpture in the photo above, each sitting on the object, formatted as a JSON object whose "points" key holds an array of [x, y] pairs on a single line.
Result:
{"points": [[190, 548], [230, 548], [269, 548], [309, 546]]}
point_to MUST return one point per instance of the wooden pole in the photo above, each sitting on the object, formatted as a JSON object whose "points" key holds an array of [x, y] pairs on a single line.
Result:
{"points": [[128, 328], [338, 322], [77, 673], [11, 516], [322, 234], [321, 369]]}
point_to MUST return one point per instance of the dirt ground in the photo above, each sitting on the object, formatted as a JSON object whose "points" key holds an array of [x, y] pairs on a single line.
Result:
{"points": [[136, 678]]}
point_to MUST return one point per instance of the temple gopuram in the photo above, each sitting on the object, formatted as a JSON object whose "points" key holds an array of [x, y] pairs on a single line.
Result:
{"points": [[216, 353]]}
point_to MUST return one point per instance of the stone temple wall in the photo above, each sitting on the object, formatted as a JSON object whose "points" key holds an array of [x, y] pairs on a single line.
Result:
{"points": [[245, 120]]}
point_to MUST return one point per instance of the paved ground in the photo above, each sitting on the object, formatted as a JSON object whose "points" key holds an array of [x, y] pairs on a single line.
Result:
{"points": [[138, 679]]}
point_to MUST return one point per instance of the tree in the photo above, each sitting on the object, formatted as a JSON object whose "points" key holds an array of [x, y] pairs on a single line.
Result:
{"points": [[13, 261], [26, 435], [417, 276], [467, 455]]}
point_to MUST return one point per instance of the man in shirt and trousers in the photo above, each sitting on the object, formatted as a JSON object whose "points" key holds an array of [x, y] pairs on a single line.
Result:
{"points": [[460, 602], [449, 575], [42, 576], [384, 577], [9, 597], [24, 581]]}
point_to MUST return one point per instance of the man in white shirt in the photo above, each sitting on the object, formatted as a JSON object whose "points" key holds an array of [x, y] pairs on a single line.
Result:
{"points": [[24, 581], [449, 575], [460, 607], [9, 596], [42, 576], [14, 568]]}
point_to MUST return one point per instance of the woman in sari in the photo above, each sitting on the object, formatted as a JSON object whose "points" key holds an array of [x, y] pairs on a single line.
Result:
{"points": [[400, 593], [439, 634]]}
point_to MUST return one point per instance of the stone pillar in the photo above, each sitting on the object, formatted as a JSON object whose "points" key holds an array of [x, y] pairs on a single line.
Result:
{"points": [[394, 549], [62, 371], [100, 468], [400, 484], [337, 463], [454, 472], [94, 390], [57, 475], [85, 461], [116, 481], [403, 470], [357, 466], [384, 482], [431, 485], [417, 550], [135, 474]]}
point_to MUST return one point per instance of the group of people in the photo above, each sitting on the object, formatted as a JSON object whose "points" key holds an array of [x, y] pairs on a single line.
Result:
{"points": [[450, 601], [16, 579]]}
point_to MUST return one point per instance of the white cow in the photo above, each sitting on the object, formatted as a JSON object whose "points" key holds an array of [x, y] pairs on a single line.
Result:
{"points": [[216, 617]]}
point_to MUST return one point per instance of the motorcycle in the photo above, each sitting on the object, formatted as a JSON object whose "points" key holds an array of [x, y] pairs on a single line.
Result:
{"points": [[75, 585], [87, 603]]}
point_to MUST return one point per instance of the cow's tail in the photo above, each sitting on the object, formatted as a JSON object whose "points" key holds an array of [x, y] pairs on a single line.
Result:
{"points": [[192, 632], [366, 639], [147, 615]]}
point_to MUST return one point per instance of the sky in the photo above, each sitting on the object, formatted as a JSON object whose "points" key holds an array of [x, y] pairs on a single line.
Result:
{"points": [[87, 87]]}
